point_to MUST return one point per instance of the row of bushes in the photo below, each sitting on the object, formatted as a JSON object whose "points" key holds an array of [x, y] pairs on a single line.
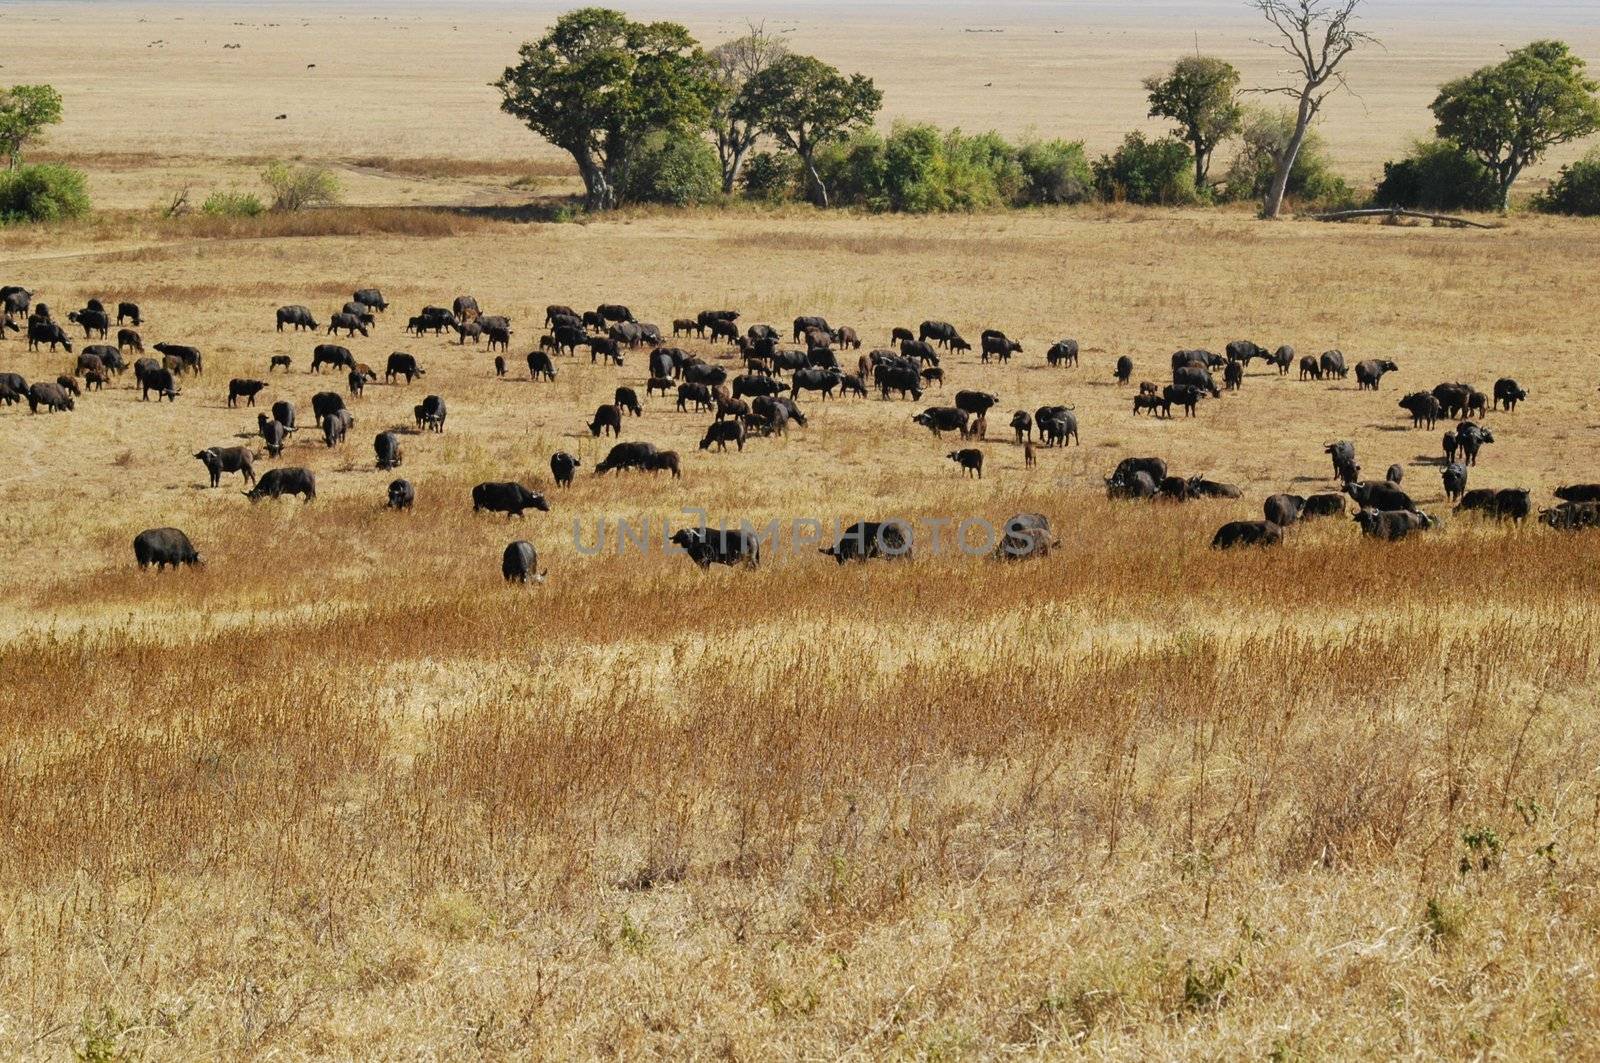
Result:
{"points": [[918, 168]]}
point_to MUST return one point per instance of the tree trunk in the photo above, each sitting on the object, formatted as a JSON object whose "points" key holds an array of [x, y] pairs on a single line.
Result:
{"points": [[730, 169], [820, 189], [1280, 180], [1199, 167], [598, 192], [1506, 180]]}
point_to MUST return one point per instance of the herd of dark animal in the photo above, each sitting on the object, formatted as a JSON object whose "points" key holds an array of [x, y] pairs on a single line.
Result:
{"points": [[759, 402]]}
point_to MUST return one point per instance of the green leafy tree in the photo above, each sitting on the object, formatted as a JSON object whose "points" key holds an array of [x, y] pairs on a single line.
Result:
{"points": [[1201, 94], [1510, 114], [1317, 36], [597, 84], [804, 103], [24, 112], [1264, 139], [733, 126]]}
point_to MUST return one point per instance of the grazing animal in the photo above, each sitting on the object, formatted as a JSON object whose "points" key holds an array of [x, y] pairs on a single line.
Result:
{"points": [[336, 425], [942, 419], [1571, 516], [1022, 424], [719, 546], [1379, 496], [1240, 533], [1242, 351], [431, 414], [273, 433], [244, 389], [1233, 376], [1471, 437], [1310, 368], [1057, 424], [1391, 525], [1343, 456], [371, 298], [1370, 372], [698, 394], [722, 433], [868, 539], [1285, 510], [508, 497], [1158, 406], [1579, 493], [1395, 474], [664, 385], [1029, 459], [52, 397], [1062, 352], [1283, 358], [970, 459], [386, 446], [331, 354], [158, 379], [562, 467], [45, 332], [1135, 486], [162, 547], [1185, 396], [402, 364], [626, 456], [275, 483], [1324, 505], [1423, 407], [297, 318], [1025, 535], [280, 361], [540, 365], [219, 460], [350, 323], [1507, 393], [401, 494], [520, 563], [1200, 487], [608, 418], [1332, 363], [92, 321], [127, 338]]}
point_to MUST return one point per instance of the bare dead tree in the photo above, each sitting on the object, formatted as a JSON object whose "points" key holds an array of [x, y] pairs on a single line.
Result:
{"points": [[1318, 35], [734, 63]]}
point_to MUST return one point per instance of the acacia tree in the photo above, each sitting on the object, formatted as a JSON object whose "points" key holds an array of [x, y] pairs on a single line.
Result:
{"points": [[1201, 94], [597, 83], [733, 65], [805, 103], [1508, 115], [24, 112], [1318, 35]]}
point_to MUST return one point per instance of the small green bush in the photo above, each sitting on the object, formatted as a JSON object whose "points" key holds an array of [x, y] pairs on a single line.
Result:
{"points": [[672, 169], [854, 170], [1147, 171], [1437, 175], [1055, 171], [233, 205], [1576, 190], [769, 176], [298, 187], [48, 192]]}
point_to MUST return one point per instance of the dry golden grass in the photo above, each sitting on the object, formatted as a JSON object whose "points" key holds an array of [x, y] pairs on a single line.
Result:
{"points": [[342, 793]]}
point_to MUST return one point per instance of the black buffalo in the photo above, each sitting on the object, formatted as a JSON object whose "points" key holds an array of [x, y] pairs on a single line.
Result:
{"points": [[275, 483], [507, 497], [219, 460], [1247, 533], [520, 563], [562, 466], [162, 547], [386, 445]]}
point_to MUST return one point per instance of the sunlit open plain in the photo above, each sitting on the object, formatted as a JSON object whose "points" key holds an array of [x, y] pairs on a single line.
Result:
{"points": [[344, 793]]}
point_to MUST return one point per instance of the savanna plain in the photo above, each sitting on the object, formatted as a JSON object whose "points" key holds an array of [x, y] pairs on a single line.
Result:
{"points": [[342, 792]]}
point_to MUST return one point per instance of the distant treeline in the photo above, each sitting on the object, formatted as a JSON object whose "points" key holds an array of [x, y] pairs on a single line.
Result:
{"points": [[651, 117]]}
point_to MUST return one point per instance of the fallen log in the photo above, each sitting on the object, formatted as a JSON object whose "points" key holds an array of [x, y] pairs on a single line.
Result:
{"points": [[1395, 213]]}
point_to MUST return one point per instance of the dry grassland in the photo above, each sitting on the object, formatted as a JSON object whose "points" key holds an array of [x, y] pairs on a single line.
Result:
{"points": [[342, 793]]}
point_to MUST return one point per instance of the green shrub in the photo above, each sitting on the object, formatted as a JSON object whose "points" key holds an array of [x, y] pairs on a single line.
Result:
{"points": [[769, 176], [854, 170], [233, 205], [298, 187], [1147, 171], [1055, 171], [679, 170], [1576, 190], [48, 192], [1266, 135], [1437, 175]]}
